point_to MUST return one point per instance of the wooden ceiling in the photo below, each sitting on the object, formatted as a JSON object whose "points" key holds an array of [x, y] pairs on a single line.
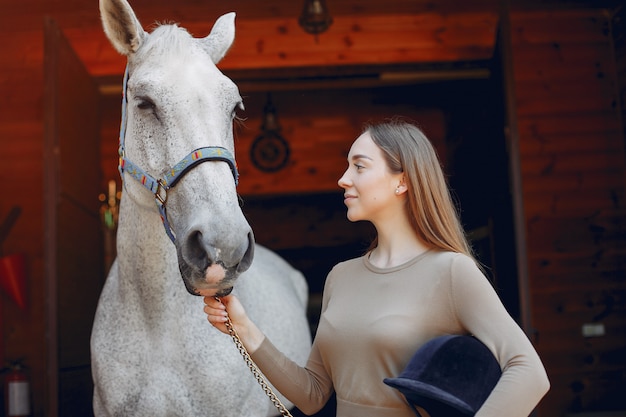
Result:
{"points": [[365, 35], [269, 41]]}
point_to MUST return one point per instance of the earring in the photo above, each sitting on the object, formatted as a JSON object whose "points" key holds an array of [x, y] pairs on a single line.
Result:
{"points": [[397, 191]]}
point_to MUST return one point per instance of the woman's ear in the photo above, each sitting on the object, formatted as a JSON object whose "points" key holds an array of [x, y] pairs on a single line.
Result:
{"points": [[401, 188]]}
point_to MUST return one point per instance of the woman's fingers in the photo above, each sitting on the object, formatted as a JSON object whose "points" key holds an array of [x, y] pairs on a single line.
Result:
{"points": [[213, 305], [216, 313], [213, 302]]}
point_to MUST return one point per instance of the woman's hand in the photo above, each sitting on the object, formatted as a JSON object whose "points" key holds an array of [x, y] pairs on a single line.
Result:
{"points": [[218, 312]]}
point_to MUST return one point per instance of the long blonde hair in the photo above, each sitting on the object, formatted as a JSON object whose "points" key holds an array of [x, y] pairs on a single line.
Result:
{"points": [[431, 210]]}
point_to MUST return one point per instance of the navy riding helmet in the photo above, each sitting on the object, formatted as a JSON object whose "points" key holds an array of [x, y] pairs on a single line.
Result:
{"points": [[449, 376]]}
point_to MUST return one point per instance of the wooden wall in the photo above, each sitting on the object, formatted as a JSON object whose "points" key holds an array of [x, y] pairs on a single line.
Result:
{"points": [[21, 159], [319, 126], [573, 176], [618, 23], [571, 149]]}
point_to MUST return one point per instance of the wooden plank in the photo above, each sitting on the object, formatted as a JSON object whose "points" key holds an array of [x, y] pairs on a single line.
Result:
{"points": [[562, 54], [572, 143], [575, 182], [20, 89], [606, 305], [565, 64], [545, 89], [352, 40], [571, 354], [553, 69], [365, 40], [572, 241], [549, 232], [562, 26], [575, 231], [567, 103], [573, 74], [567, 328], [605, 350], [19, 131], [557, 163], [582, 203], [572, 278], [595, 271], [77, 13], [606, 121], [551, 261], [582, 391], [22, 50]]}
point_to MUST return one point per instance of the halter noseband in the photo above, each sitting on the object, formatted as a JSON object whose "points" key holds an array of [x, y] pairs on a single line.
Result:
{"points": [[159, 187]]}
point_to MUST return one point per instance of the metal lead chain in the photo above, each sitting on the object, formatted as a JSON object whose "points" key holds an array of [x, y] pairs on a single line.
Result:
{"points": [[253, 368]]}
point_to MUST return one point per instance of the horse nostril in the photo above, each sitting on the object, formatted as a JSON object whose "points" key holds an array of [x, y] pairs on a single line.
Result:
{"points": [[246, 261], [195, 251]]}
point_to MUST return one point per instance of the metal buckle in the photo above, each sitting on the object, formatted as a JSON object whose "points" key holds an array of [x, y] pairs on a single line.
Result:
{"points": [[160, 194]]}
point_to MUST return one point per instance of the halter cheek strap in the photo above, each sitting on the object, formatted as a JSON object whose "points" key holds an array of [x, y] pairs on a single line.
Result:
{"points": [[159, 187]]}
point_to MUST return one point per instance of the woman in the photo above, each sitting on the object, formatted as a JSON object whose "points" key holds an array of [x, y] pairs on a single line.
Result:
{"points": [[417, 281]]}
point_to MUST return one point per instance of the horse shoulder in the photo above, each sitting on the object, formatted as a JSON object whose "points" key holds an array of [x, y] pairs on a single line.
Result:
{"points": [[275, 296], [272, 267]]}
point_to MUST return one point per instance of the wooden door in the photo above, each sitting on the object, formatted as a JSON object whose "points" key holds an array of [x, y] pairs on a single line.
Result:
{"points": [[73, 240]]}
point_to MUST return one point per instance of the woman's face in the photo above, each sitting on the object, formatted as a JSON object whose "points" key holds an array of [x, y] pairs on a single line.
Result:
{"points": [[369, 186]]}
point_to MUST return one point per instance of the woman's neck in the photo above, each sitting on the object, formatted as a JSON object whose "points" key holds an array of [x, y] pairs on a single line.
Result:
{"points": [[396, 247]]}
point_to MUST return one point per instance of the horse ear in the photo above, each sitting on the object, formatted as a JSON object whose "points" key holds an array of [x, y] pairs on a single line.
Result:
{"points": [[121, 26], [222, 36]]}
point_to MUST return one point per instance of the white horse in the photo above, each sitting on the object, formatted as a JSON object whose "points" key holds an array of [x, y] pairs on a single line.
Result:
{"points": [[153, 351]]}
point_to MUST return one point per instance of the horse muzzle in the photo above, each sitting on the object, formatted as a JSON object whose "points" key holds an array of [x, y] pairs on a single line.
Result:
{"points": [[211, 271]]}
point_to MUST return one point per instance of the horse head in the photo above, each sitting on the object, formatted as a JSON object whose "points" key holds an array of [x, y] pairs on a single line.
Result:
{"points": [[176, 143]]}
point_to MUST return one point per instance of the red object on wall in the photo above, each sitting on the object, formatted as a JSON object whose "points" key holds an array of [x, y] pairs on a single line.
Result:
{"points": [[13, 278]]}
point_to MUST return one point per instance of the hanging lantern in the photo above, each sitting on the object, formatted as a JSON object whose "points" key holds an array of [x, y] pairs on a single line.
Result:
{"points": [[315, 17]]}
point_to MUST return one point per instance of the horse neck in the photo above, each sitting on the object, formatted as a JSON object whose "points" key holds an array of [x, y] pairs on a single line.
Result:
{"points": [[147, 261]]}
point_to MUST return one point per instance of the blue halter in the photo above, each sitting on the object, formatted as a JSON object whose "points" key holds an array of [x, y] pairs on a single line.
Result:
{"points": [[159, 187]]}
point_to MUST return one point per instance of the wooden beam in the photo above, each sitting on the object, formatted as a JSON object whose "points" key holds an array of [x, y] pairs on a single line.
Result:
{"points": [[351, 41]]}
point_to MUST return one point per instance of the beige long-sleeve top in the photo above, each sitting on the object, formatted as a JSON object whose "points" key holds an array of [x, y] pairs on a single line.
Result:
{"points": [[373, 320]]}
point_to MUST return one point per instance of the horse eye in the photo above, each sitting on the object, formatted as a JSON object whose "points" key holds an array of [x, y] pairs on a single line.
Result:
{"points": [[145, 103]]}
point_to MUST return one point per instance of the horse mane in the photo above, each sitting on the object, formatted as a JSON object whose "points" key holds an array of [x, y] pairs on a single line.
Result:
{"points": [[168, 41]]}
